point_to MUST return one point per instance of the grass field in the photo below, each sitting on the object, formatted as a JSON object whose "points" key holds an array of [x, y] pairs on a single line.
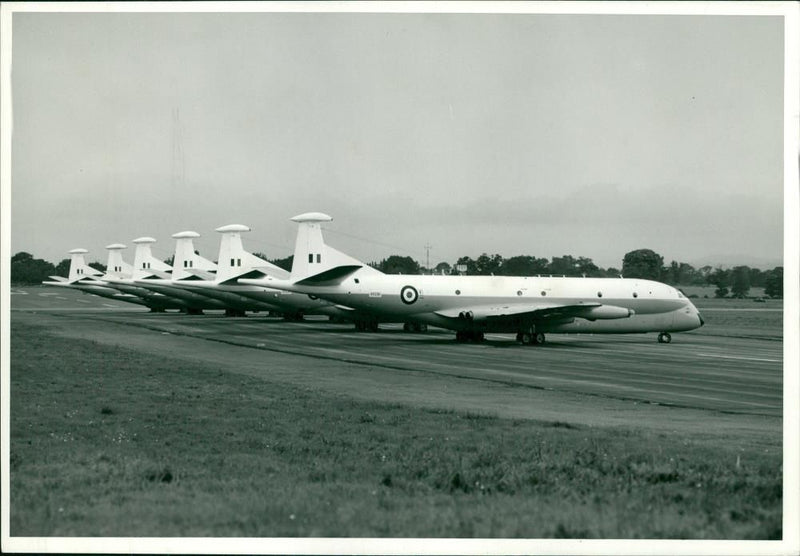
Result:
{"points": [[106, 441]]}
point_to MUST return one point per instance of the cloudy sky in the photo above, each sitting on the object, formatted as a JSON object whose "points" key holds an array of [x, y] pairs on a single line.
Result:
{"points": [[589, 135]]}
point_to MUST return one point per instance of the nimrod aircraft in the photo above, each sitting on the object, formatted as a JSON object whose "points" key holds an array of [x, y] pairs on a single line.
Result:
{"points": [[145, 265], [235, 262], [473, 305], [89, 280], [196, 276], [186, 265]]}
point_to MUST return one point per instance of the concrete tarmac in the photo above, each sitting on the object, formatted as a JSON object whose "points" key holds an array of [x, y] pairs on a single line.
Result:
{"points": [[700, 383]]}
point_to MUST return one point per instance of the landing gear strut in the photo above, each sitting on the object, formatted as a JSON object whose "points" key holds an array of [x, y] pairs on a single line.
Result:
{"points": [[366, 326], [664, 338], [469, 336]]}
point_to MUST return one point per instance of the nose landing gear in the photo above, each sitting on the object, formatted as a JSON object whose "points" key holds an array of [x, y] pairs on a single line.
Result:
{"points": [[664, 338]]}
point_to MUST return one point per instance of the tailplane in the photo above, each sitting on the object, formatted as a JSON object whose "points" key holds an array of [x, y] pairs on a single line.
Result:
{"points": [[315, 262]]}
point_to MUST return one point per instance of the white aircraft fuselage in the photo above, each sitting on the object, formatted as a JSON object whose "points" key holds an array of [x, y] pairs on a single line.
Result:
{"points": [[514, 304]]}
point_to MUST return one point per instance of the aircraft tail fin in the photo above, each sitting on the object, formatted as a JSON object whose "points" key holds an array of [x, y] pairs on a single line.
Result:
{"points": [[234, 262], [116, 267], [186, 257], [314, 261], [145, 264], [78, 269]]}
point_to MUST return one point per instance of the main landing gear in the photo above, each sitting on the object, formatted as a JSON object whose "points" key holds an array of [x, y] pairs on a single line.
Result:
{"points": [[664, 338], [469, 336], [366, 326], [530, 338], [414, 327]]}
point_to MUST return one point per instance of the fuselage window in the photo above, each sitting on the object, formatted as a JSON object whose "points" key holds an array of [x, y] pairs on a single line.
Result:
{"points": [[519, 292], [635, 294], [233, 262], [238, 262], [319, 258], [544, 293], [310, 258], [458, 292], [599, 294], [357, 281]]}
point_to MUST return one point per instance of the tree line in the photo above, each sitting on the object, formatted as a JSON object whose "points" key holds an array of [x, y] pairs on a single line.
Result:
{"points": [[641, 263], [27, 270]]}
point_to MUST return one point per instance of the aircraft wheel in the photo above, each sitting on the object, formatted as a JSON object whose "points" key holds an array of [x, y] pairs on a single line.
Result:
{"points": [[664, 338], [407, 327], [526, 338], [422, 328], [538, 338], [477, 336], [372, 326], [359, 326], [461, 336]]}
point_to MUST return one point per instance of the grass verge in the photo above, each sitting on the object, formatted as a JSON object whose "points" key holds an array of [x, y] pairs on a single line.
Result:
{"points": [[107, 441]]}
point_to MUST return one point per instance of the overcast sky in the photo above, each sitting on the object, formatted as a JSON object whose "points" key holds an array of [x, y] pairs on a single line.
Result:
{"points": [[545, 135]]}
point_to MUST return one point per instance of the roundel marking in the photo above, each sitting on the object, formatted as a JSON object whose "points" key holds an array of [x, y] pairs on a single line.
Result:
{"points": [[409, 295]]}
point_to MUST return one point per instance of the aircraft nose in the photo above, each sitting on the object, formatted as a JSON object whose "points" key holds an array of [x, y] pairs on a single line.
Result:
{"points": [[699, 316]]}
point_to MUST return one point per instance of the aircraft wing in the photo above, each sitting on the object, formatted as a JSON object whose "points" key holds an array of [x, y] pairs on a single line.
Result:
{"points": [[538, 311]]}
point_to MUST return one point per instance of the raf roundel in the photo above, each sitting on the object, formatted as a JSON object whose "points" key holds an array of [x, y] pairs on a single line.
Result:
{"points": [[409, 294]]}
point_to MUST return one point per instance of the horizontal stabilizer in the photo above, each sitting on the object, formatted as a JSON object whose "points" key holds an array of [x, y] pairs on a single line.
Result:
{"points": [[202, 274], [164, 275], [252, 275], [60, 279], [330, 277]]}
